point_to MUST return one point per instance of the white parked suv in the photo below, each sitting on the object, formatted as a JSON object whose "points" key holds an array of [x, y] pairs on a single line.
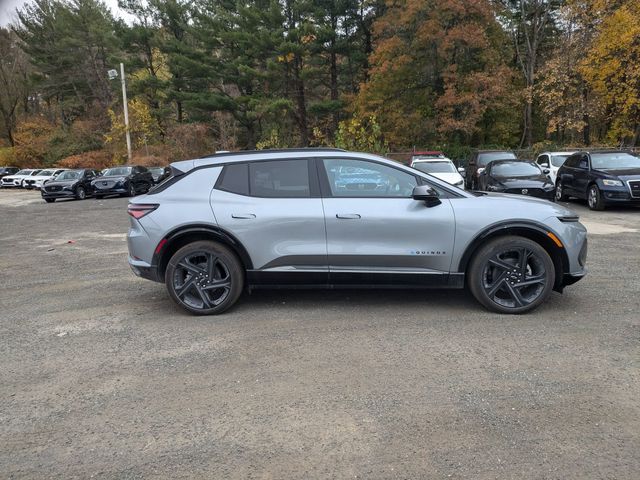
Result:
{"points": [[552, 161], [17, 179], [36, 181], [436, 164]]}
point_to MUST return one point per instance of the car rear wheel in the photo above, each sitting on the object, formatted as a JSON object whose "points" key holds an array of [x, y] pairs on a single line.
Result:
{"points": [[594, 198], [81, 193], [132, 190], [511, 275], [204, 277]]}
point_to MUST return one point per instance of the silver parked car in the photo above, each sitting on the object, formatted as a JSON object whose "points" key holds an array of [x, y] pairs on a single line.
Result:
{"points": [[331, 218]]}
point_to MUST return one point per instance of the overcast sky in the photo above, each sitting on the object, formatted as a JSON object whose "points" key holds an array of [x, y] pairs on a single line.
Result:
{"points": [[8, 7]]}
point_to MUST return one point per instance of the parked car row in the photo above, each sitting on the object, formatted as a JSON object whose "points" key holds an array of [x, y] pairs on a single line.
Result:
{"points": [[602, 178], [128, 180]]}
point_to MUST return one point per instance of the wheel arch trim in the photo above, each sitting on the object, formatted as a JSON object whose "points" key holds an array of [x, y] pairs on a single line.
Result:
{"points": [[172, 241], [518, 227]]}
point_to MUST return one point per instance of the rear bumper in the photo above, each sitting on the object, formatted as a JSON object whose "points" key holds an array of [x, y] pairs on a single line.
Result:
{"points": [[144, 270]]}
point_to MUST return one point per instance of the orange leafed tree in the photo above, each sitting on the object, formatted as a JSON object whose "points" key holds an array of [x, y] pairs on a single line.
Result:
{"points": [[437, 71]]}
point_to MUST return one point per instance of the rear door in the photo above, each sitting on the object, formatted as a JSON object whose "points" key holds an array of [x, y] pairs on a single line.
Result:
{"points": [[582, 176], [376, 232], [274, 209]]}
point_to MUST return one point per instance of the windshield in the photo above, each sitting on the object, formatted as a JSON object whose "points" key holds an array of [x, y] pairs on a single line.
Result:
{"points": [[156, 169], [485, 158], [515, 169], [558, 160], [117, 171], [617, 160], [435, 167], [69, 175]]}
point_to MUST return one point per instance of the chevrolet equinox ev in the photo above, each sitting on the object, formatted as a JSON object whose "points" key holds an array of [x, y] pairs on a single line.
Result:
{"points": [[329, 218]]}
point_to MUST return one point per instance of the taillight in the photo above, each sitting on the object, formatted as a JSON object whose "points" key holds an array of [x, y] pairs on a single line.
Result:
{"points": [[139, 210]]}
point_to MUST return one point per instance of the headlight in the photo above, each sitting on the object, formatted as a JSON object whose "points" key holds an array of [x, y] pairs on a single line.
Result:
{"points": [[612, 183], [492, 188]]}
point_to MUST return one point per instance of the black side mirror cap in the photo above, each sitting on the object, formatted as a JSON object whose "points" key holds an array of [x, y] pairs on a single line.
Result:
{"points": [[427, 194]]}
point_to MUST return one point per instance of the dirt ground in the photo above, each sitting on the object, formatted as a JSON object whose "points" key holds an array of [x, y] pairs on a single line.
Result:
{"points": [[102, 376]]}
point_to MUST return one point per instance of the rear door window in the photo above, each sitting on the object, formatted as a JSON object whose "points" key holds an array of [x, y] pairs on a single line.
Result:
{"points": [[280, 179]]}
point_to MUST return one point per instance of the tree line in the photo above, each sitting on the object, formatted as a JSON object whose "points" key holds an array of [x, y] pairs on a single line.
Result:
{"points": [[207, 75]]}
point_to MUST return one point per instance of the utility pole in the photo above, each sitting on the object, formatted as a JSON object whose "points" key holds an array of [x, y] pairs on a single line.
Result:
{"points": [[126, 111]]}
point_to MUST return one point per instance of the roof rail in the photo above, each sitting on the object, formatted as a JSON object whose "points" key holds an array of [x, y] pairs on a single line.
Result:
{"points": [[276, 150]]}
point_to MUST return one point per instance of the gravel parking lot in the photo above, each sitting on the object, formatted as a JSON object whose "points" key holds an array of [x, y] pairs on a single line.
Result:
{"points": [[103, 376]]}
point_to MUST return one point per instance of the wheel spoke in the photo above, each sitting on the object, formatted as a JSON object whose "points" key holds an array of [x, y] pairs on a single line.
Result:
{"points": [[224, 283], [515, 294], [533, 280], [185, 287], [206, 303], [524, 258], [211, 266], [190, 267], [497, 284], [496, 262]]}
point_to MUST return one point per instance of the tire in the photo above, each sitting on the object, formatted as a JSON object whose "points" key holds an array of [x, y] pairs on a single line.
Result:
{"points": [[559, 195], [497, 270], [132, 190], [49, 200], [189, 279], [594, 198], [81, 193]]}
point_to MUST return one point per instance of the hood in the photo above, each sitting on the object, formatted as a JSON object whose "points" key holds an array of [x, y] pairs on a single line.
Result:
{"points": [[525, 201], [109, 178], [449, 177], [62, 183], [623, 173], [535, 181]]}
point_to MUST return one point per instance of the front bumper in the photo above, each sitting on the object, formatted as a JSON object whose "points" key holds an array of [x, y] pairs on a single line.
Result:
{"points": [[115, 190], [58, 194]]}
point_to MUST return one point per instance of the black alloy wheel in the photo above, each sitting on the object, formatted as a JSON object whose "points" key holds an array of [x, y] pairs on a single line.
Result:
{"points": [[204, 277], [81, 193], [132, 190], [511, 275]]}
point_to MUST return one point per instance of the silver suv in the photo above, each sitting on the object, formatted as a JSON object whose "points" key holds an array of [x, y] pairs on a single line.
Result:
{"points": [[331, 218]]}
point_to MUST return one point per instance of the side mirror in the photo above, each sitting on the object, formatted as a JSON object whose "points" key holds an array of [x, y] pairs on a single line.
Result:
{"points": [[426, 194], [461, 169], [546, 171]]}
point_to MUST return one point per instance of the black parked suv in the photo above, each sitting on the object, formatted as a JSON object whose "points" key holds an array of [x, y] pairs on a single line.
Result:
{"points": [[478, 162], [126, 180], [69, 184], [6, 171], [602, 178]]}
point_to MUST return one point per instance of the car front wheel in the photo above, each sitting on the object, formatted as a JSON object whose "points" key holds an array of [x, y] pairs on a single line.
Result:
{"points": [[560, 196], [81, 193], [594, 198], [511, 275], [204, 277]]}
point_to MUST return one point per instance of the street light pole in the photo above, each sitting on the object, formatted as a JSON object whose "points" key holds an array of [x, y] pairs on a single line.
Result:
{"points": [[126, 111]]}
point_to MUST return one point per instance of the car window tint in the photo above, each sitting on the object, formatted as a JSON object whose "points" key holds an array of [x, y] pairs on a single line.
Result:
{"points": [[543, 159], [235, 179], [360, 178], [279, 178], [584, 163]]}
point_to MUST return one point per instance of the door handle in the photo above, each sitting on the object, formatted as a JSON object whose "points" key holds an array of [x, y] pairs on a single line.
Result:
{"points": [[348, 216], [243, 215]]}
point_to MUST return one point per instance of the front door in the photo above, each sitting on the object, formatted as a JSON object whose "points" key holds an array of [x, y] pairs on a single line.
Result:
{"points": [[376, 232]]}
